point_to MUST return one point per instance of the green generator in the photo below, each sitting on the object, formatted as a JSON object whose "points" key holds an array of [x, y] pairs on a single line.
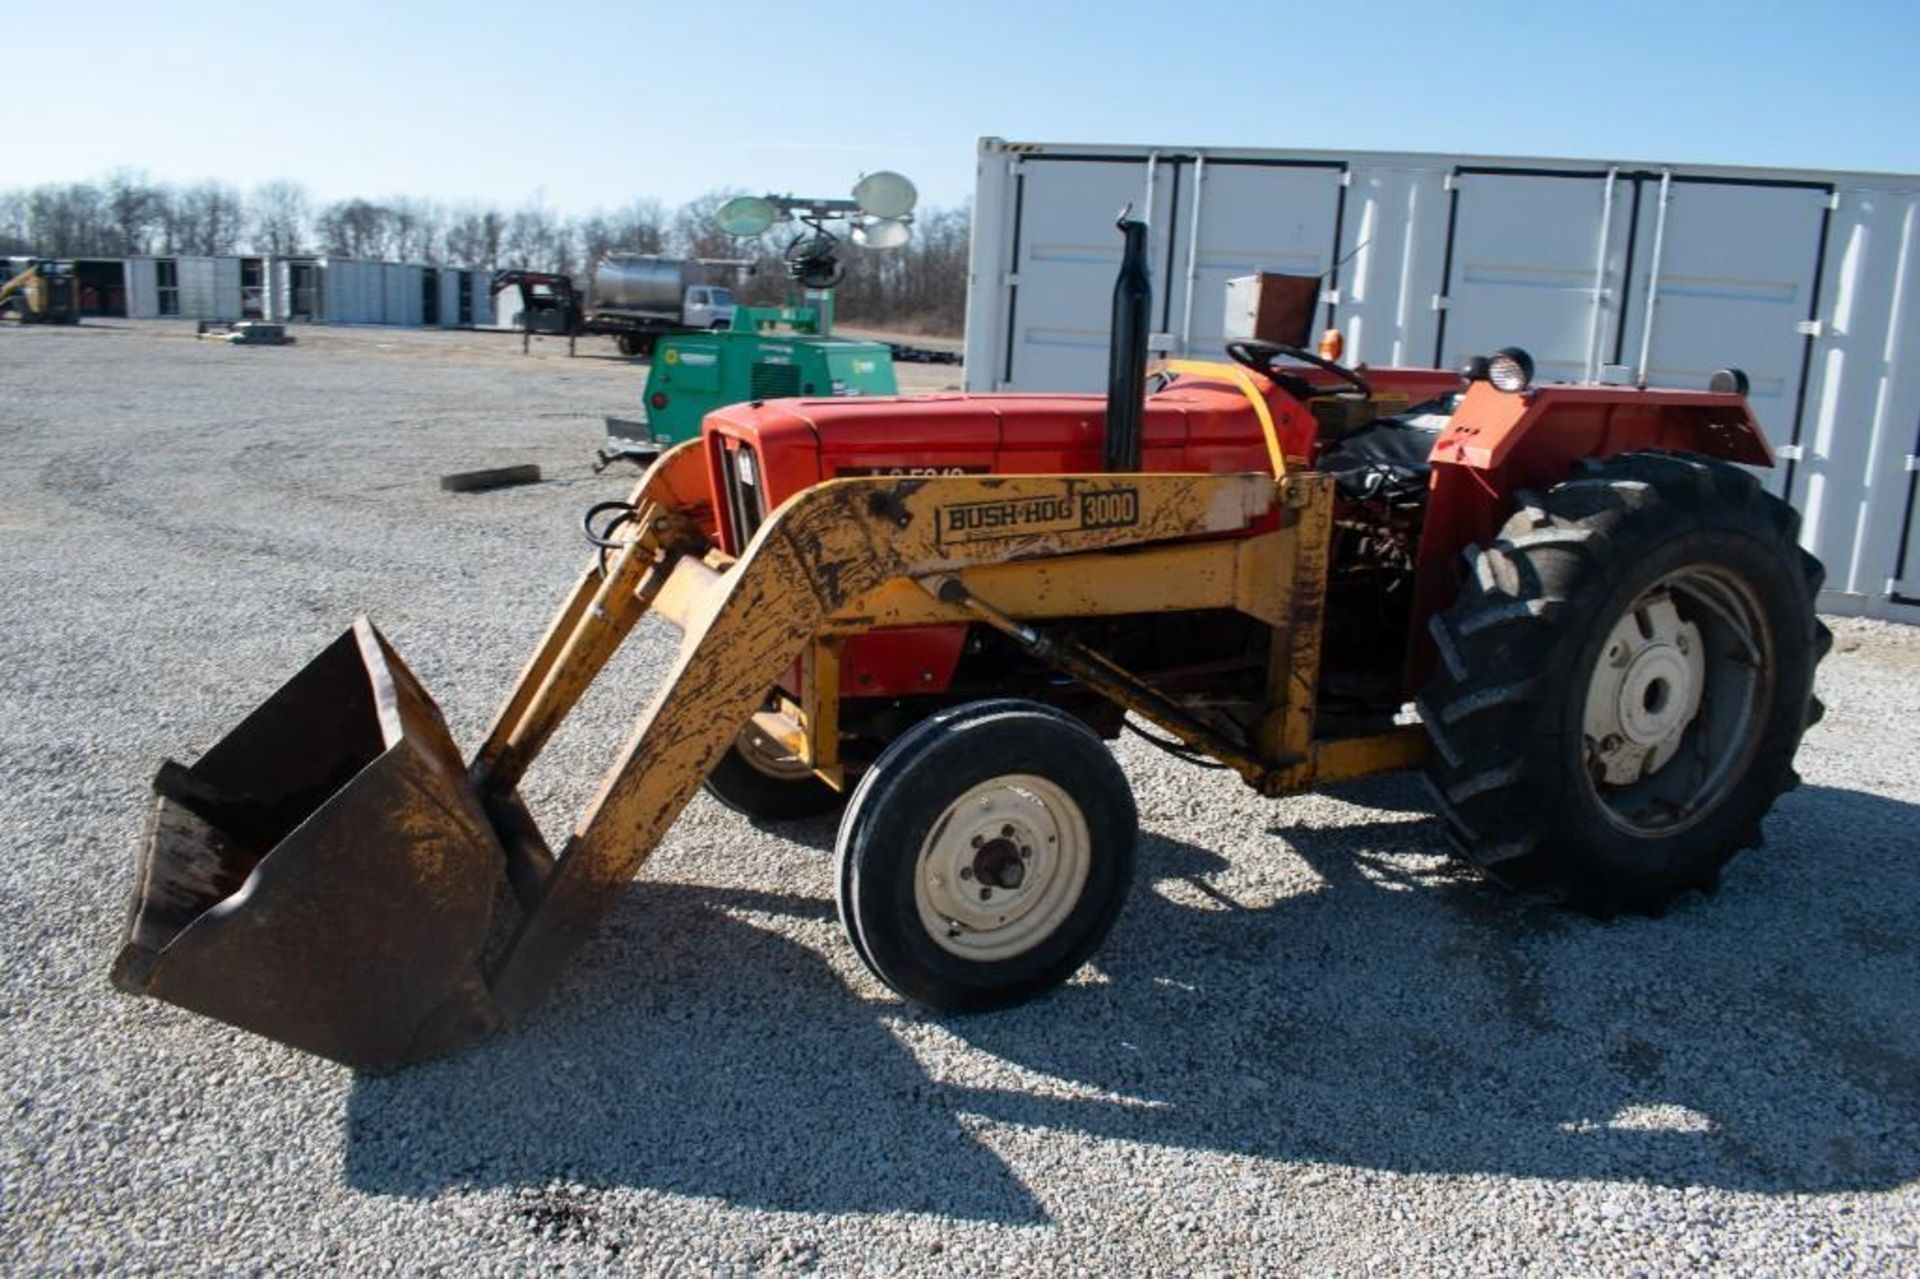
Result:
{"points": [[693, 374]]}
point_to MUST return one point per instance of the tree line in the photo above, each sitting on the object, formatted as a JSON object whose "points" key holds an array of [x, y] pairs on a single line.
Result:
{"points": [[127, 214]]}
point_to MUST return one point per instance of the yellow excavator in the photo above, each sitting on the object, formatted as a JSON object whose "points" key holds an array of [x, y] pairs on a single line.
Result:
{"points": [[1570, 606], [45, 293]]}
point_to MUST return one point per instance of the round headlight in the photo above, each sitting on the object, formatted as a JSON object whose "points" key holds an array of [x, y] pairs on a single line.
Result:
{"points": [[1510, 369]]}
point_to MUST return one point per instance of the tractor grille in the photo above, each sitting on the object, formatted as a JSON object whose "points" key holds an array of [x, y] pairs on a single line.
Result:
{"points": [[772, 381], [742, 482]]}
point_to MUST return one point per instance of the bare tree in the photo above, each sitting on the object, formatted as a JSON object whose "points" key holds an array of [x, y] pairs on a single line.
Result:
{"points": [[695, 234], [641, 227], [536, 240], [133, 210], [474, 238], [920, 286], [13, 223], [73, 218], [277, 215], [353, 229], [208, 218], [415, 229]]}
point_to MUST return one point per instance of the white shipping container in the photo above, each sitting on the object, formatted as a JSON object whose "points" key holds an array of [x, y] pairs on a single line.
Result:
{"points": [[143, 293], [298, 289], [209, 287], [1809, 281], [451, 285], [480, 296], [354, 292], [400, 294]]}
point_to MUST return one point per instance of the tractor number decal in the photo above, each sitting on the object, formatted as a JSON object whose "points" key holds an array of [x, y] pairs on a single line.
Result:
{"points": [[914, 471], [1031, 516]]}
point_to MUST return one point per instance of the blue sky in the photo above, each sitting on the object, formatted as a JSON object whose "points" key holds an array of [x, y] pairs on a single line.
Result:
{"points": [[589, 105]]}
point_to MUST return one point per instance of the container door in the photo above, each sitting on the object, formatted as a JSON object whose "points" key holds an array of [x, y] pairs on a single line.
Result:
{"points": [[1250, 217], [253, 288], [1522, 255], [198, 290], [142, 295], [394, 294], [1735, 284], [1906, 587], [1065, 255], [226, 284]]}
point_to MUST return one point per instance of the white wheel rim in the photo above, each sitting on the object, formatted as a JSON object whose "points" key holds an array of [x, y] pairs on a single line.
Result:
{"points": [[1674, 704], [1002, 868], [1646, 689]]}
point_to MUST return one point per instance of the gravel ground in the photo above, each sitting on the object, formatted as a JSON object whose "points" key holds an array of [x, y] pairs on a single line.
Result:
{"points": [[1311, 1044]]}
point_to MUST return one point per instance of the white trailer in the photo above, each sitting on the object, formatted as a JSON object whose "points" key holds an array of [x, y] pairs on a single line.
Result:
{"points": [[1808, 281]]}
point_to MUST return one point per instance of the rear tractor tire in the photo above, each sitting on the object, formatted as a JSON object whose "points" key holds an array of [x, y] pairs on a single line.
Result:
{"points": [[762, 780], [1623, 682], [985, 855]]}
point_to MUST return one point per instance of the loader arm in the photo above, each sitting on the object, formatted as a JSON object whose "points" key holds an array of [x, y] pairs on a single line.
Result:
{"points": [[330, 874], [820, 553]]}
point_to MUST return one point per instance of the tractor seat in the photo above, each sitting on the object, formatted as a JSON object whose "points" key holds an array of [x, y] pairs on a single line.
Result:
{"points": [[1388, 457]]}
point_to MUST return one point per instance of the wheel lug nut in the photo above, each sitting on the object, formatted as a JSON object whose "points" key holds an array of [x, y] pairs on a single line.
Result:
{"points": [[979, 840], [966, 872], [1006, 832], [986, 894], [1025, 853]]}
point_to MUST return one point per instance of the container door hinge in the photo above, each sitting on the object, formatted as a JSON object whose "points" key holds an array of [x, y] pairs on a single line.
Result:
{"points": [[1439, 301], [1833, 202], [1810, 328], [1329, 297], [1789, 452], [1913, 462]]}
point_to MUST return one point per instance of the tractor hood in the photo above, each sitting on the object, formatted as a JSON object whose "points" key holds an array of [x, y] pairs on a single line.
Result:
{"points": [[1196, 424]]}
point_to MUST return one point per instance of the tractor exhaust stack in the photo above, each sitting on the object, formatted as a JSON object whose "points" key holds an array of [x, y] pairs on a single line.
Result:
{"points": [[1127, 358]]}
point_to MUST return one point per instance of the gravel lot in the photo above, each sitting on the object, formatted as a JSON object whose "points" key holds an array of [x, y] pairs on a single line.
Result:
{"points": [[1311, 1045]]}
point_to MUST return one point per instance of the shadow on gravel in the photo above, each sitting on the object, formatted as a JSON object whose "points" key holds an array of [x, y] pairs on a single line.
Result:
{"points": [[1399, 1017]]}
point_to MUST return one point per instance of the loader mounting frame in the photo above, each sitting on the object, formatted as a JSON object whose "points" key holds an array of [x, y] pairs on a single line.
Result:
{"points": [[334, 844]]}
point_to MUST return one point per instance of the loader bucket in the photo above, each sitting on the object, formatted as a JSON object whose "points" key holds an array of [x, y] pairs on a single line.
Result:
{"points": [[325, 875]]}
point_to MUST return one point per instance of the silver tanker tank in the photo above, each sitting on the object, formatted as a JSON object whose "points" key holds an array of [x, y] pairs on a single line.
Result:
{"points": [[640, 284]]}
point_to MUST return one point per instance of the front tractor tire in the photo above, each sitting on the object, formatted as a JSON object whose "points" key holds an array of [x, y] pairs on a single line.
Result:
{"points": [[1623, 682], [985, 855]]}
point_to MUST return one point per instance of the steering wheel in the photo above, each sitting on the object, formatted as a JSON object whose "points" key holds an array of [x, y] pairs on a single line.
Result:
{"points": [[1257, 355]]}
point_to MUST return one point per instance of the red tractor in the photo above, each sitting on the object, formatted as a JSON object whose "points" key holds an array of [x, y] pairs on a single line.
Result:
{"points": [[1572, 607]]}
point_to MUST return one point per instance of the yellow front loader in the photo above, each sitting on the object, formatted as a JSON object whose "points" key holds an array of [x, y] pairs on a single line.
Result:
{"points": [[333, 875], [44, 293]]}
